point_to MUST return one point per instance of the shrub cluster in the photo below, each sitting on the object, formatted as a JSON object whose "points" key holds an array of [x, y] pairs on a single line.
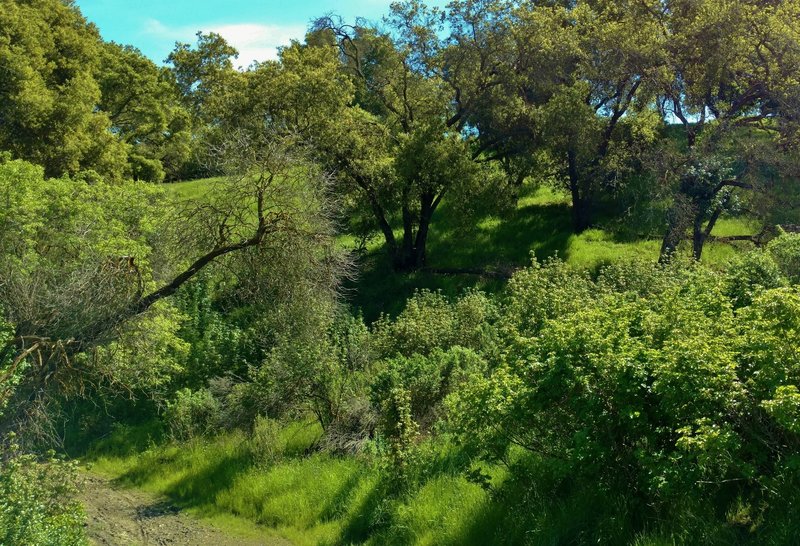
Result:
{"points": [[37, 500]]}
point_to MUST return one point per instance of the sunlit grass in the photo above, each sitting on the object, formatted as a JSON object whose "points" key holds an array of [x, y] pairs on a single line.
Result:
{"points": [[191, 189], [308, 497]]}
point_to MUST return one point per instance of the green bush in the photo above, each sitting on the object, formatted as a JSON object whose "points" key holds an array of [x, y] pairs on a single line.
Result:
{"points": [[426, 379], [192, 413], [666, 393], [37, 501], [751, 273], [430, 321], [785, 250]]}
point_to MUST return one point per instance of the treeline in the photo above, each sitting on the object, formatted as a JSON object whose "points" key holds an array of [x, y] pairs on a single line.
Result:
{"points": [[679, 111]]}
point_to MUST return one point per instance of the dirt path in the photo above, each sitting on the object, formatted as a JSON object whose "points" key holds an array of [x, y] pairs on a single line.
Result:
{"points": [[123, 517]]}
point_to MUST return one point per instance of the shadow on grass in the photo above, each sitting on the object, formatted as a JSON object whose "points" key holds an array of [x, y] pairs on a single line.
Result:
{"points": [[364, 518], [485, 242], [202, 480], [543, 229]]}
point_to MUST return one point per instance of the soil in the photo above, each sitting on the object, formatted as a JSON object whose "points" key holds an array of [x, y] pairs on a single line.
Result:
{"points": [[127, 517]]}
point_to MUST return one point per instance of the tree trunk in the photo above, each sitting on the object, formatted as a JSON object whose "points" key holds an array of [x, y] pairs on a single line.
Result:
{"points": [[700, 234], [581, 212], [412, 255], [408, 257], [669, 245], [421, 243], [677, 223], [698, 237]]}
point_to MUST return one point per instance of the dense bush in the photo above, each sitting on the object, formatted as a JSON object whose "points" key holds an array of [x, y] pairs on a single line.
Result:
{"points": [[430, 321], [37, 501], [192, 413], [666, 382], [785, 250], [426, 379]]}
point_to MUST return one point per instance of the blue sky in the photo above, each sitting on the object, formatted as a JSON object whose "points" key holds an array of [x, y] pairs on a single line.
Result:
{"points": [[254, 27]]}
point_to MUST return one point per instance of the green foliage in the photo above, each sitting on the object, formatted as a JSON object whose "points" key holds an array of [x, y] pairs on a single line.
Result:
{"points": [[652, 381], [143, 105], [425, 380], [192, 413], [264, 443], [75, 254], [10, 377], [545, 292], [785, 408], [401, 432], [49, 56], [785, 250], [430, 321], [37, 500], [750, 273], [617, 401]]}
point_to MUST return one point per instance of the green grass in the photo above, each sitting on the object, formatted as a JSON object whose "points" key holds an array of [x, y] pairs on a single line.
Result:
{"points": [[191, 189], [306, 496], [317, 498]]}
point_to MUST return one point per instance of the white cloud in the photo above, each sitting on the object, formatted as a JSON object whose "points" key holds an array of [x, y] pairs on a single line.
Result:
{"points": [[255, 42]]}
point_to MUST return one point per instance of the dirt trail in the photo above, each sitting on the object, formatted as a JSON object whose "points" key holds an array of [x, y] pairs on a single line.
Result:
{"points": [[123, 517]]}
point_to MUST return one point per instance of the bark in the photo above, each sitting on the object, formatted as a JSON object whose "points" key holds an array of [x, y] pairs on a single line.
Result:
{"points": [[581, 207], [413, 254], [669, 245], [678, 221], [426, 214], [701, 234]]}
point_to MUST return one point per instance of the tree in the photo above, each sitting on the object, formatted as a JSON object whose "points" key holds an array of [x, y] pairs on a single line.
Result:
{"points": [[203, 72], [579, 90], [143, 105], [738, 108], [49, 56], [399, 146], [209, 87]]}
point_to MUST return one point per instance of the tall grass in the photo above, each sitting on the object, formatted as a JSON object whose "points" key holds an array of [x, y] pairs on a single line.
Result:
{"points": [[316, 498], [306, 496]]}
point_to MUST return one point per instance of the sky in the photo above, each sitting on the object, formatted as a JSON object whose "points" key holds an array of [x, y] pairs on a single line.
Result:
{"points": [[255, 28]]}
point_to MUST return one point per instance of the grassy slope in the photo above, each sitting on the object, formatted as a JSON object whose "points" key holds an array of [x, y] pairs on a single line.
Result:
{"points": [[539, 225], [321, 499]]}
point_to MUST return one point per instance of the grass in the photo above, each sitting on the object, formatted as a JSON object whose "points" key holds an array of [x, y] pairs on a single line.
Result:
{"points": [[191, 189], [317, 498], [305, 496], [540, 225]]}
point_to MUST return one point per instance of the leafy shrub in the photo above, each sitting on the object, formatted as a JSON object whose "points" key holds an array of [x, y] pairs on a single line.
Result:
{"points": [[427, 380], [785, 250], [401, 432], [37, 501], [192, 413], [430, 321], [751, 273], [665, 393], [542, 292]]}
